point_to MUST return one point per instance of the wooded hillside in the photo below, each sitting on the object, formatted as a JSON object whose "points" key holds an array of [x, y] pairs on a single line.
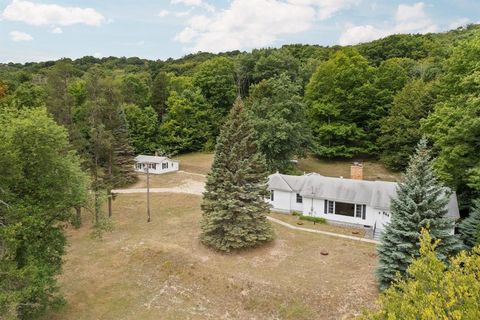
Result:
{"points": [[371, 100]]}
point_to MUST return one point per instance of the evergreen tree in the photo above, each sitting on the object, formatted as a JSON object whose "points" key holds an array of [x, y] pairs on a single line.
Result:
{"points": [[470, 227], [160, 94], [234, 204], [432, 288], [123, 154], [421, 202]]}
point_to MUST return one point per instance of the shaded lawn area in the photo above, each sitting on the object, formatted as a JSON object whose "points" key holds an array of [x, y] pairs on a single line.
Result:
{"points": [[372, 170], [159, 270]]}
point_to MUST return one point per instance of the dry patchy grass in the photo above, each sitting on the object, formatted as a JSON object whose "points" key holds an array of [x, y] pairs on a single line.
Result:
{"points": [[159, 270], [196, 162], [166, 180], [372, 170], [293, 220]]}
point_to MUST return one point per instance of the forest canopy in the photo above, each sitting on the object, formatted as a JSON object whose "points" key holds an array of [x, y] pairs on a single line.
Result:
{"points": [[372, 100]]}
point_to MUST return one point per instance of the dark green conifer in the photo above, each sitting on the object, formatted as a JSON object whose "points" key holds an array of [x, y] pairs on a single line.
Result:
{"points": [[421, 202], [234, 204], [470, 227]]}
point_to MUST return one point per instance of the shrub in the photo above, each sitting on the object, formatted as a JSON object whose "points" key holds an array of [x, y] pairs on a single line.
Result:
{"points": [[313, 219], [296, 213]]}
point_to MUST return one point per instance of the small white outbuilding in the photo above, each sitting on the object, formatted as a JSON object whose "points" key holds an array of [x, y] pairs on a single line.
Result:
{"points": [[155, 164]]}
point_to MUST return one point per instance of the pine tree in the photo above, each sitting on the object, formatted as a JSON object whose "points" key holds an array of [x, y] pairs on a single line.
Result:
{"points": [[421, 202], [160, 94], [470, 227], [234, 204], [123, 154]]}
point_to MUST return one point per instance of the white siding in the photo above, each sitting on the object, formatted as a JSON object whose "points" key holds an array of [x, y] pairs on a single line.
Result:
{"points": [[281, 201], [172, 166], [287, 202], [319, 211]]}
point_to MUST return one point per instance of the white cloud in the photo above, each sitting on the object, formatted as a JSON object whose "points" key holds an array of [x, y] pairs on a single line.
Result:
{"points": [[359, 34], [50, 14], [163, 13], [57, 30], [20, 36], [413, 12], [254, 23], [98, 55], [459, 23], [408, 19]]}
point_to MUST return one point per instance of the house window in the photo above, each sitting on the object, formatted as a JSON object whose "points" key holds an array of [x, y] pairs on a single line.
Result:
{"points": [[165, 165], [331, 206], [271, 195], [154, 166], [345, 209], [360, 211], [299, 198]]}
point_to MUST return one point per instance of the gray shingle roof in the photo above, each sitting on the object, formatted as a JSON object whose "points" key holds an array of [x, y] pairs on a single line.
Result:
{"points": [[376, 194], [152, 159]]}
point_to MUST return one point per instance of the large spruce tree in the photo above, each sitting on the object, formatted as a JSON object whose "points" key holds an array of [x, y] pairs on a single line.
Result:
{"points": [[234, 204], [470, 227], [421, 202]]}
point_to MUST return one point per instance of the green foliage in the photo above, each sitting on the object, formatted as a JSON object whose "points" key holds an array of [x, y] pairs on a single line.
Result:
{"points": [[339, 98], [454, 125], [41, 182], [313, 219], [421, 202], [273, 63], [469, 228], [396, 46], [278, 115], [216, 80], [160, 93], [142, 128], [135, 89], [401, 128], [234, 206], [188, 125], [433, 289]]}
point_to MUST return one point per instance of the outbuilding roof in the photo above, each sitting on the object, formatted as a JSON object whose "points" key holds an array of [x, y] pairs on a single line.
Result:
{"points": [[151, 159], [376, 194]]}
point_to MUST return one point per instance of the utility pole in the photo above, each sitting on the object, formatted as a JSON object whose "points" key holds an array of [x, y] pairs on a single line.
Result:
{"points": [[148, 192]]}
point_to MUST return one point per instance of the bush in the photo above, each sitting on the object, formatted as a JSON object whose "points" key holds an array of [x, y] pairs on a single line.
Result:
{"points": [[296, 213], [313, 219]]}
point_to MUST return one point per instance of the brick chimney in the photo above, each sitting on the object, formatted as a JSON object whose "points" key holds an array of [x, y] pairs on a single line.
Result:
{"points": [[356, 171]]}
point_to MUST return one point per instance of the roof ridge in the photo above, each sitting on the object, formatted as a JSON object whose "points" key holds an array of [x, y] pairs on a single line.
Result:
{"points": [[288, 184]]}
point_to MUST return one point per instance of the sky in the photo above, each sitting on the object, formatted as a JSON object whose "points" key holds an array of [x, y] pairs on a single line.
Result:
{"points": [[40, 30]]}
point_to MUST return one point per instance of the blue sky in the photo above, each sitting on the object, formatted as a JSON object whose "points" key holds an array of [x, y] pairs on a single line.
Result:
{"points": [[39, 30]]}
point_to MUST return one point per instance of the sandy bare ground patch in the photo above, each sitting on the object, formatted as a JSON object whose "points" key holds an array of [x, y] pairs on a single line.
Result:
{"points": [[166, 180], [160, 270]]}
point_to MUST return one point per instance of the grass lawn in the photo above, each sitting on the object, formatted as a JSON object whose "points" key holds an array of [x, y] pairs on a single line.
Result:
{"points": [[159, 270], [166, 180], [294, 220], [196, 162], [372, 170]]}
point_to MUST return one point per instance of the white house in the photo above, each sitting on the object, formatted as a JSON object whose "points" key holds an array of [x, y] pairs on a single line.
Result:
{"points": [[352, 201], [155, 164]]}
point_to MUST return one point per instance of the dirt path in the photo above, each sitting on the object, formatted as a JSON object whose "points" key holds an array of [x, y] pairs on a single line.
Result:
{"points": [[189, 187]]}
